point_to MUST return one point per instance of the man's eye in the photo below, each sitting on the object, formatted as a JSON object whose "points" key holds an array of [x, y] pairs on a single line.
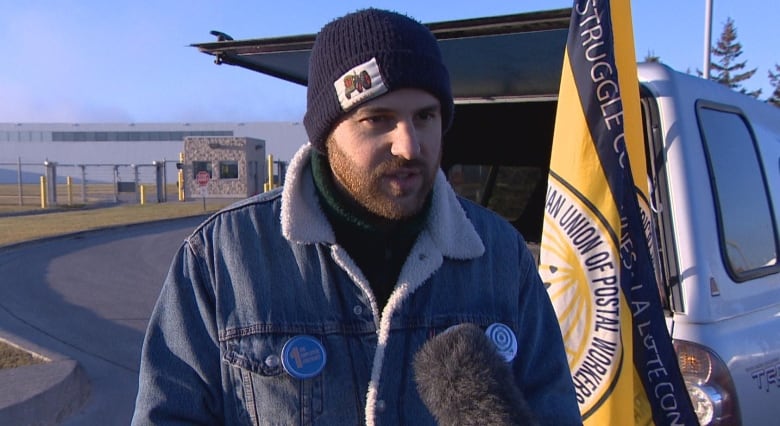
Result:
{"points": [[378, 122], [426, 115], [376, 119]]}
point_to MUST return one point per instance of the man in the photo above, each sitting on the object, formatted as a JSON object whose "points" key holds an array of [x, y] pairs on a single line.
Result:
{"points": [[307, 306]]}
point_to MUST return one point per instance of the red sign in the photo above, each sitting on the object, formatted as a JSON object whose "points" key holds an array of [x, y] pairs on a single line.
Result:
{"points": [[203, 178]]}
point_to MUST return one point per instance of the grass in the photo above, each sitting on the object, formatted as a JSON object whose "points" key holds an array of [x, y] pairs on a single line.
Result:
{"points": [[12, 356], [75, 195], [25, 223], [41, 223]]}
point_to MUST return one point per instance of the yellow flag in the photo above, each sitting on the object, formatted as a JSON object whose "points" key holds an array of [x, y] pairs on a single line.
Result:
{"points": [[595, 256]]}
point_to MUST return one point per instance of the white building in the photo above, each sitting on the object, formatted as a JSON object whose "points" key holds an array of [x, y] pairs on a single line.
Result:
{"points": [[25, 147]]}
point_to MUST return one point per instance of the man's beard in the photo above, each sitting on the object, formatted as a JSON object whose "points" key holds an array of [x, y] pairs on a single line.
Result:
{"points": [[365, 186]]}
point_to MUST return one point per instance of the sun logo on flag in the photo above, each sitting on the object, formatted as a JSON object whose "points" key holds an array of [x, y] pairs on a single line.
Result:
{"points": [[578, 264]]}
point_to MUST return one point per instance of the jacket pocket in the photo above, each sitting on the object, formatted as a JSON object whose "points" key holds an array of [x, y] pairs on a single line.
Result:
{"points": [[268, 394]]}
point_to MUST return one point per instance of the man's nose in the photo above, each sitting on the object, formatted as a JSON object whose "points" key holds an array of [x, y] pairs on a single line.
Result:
{"points": [[405, 142]]}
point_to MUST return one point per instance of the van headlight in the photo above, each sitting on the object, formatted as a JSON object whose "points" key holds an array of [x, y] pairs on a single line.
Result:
{"points": [[707, 402], [709, 384]]}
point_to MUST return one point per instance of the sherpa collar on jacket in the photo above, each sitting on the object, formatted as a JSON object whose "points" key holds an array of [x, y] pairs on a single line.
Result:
{"points": [[448, 233], [304, 222]]}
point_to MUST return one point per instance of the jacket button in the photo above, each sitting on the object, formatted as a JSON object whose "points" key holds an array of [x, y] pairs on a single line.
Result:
{"points": [[380, 406], [272, 361], [357, 310]]}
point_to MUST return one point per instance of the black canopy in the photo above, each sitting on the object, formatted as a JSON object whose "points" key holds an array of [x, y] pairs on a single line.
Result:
{"points": [[517, 55]]}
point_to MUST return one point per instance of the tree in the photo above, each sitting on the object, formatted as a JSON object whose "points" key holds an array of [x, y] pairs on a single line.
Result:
{"points": [[774, 80], [651, 57], [726, 70]]}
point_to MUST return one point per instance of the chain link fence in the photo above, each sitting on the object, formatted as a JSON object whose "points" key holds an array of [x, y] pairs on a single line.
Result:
{"points": [[53, 184]]}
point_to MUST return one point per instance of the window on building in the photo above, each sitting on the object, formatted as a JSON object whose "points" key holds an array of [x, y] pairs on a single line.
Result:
{"points": [[228, 170], [744, 213], [201, 166]]}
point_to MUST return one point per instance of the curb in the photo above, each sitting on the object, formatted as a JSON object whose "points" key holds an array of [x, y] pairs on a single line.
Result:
{"points": [[42, 394]]}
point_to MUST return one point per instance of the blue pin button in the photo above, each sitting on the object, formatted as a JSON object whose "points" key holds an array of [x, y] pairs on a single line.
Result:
{"points": [[303, 357], [504, 339]]}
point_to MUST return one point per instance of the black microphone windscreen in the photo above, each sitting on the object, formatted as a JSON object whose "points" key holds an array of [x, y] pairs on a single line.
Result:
{"points": [[463, 380]]}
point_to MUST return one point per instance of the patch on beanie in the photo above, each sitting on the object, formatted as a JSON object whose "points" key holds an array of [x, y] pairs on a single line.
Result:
{"points": [[360, 84]]}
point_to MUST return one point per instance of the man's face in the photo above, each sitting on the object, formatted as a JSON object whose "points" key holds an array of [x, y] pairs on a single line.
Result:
{"points": [[386, 153]]}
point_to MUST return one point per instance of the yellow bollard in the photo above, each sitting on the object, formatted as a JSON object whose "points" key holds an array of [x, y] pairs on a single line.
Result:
{"points": [[69, 183], [180, 185], [180, 177], [43, 192], [270, 172], [143, 196]]}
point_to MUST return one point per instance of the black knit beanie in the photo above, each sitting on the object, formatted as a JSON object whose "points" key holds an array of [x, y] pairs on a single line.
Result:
{"points": [[365, 54]]}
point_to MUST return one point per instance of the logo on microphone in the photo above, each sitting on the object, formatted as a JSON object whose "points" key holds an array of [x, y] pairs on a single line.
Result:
{"points": [[580, 267]]}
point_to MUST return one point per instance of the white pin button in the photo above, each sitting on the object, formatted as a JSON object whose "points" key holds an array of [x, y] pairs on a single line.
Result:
{"points": [[504, 338]]}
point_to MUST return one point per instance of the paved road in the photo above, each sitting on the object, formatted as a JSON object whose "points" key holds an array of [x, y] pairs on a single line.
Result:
{"points": [[88, 297]]}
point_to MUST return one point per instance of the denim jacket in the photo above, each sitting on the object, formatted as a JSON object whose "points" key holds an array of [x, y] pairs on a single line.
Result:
{"points": [[267, 269]]}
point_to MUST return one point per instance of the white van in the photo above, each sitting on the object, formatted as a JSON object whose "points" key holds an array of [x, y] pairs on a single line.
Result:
{"points": [[713, 160]]}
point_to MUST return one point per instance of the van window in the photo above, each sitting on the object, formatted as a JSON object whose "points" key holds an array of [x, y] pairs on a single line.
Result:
{"points": [[507, 190], [498, 155], [747, 236], [662, 241]]}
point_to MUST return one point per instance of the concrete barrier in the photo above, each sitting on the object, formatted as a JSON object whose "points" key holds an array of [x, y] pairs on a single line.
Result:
{"points": [[42, 394]]}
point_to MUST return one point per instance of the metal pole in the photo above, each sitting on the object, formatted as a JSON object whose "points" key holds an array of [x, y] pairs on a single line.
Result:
{"points": [[707, 37], [164, 197], [136, 180], [84, 183], [69, 185], [116, 183]]}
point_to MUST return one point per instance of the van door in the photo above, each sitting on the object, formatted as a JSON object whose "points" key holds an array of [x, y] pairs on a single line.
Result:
{"points": [[716, 247]]}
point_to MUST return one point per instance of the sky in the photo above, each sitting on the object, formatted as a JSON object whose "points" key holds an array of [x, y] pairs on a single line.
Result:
{"points": [[123, 61]]}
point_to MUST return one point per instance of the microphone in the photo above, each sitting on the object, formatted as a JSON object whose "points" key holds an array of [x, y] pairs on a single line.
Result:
{"points": [[463, 380]]}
